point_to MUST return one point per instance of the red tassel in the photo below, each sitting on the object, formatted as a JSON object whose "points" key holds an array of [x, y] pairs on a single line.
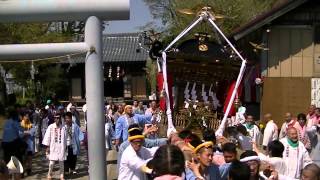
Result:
{"points": [[232, 111], [162, 102]]}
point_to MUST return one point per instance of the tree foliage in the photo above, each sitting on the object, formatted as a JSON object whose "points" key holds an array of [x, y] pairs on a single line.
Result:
{"points": [[151, 74], [57, 84], [50, 75], [236, 12]]}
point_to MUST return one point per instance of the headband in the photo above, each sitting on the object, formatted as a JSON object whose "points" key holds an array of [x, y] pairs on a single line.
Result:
{"points": [[135, 137], [127, 106], [146, 169], [250, 158], [205, 144], [192, 147], [129, 130]]}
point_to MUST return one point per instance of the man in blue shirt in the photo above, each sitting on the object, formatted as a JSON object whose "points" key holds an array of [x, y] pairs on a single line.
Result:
{"points": [[126, 120], [230, 155], [74, 138], [12, 142]]}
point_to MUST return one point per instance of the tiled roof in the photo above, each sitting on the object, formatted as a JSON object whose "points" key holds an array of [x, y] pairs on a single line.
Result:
{"points": [[123, 47]]}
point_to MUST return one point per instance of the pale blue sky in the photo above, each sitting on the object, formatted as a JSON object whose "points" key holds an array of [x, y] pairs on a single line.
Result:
{"points": [[139, 16]]}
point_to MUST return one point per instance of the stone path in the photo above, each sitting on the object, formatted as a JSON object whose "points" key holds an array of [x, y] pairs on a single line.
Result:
{"points": [[40, 164], [40, 167]]}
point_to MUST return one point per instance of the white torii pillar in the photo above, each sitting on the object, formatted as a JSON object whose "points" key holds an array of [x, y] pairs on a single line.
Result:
{"points": [[71, 10]]}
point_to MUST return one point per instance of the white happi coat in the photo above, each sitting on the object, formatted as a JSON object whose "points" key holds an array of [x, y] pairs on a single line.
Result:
{"points": [[278, 163], [296, 158], [131, 163], [270, 133], [254, 133], [52, 139]]}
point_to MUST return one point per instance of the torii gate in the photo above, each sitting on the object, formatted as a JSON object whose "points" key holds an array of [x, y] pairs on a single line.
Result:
{"points": [[70, 10]]}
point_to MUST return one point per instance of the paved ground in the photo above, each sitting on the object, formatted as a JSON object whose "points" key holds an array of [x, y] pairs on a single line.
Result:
{"points": [[40, 167], [40, 164]]}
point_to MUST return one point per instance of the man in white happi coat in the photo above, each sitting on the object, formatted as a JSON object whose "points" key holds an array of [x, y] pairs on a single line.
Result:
{"points": [[270, 132], [241, 111], [252, 129], [135, 157], [289, 122], [56, 142], [274, 156], [295, 154], [74, 136]]}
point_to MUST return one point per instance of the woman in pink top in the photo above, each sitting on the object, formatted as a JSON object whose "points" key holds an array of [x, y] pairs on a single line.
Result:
{"points": [[168, 163], [301, 127]]}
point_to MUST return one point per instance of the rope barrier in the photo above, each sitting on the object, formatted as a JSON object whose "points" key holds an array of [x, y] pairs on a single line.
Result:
{"points": [[56, 58]]}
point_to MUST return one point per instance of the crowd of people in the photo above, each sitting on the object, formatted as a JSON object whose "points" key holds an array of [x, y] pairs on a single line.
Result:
{"points": [[245, 151], [54, 130]]}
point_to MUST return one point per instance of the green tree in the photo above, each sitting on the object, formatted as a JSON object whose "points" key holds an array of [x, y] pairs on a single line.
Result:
{"points": [[236, 12], [51, 76], [53, 81], [151, 74]]}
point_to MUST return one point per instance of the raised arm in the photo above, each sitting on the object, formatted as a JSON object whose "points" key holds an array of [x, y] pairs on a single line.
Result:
{"points": [[311, 132], [143, 119], [262, 156]]}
